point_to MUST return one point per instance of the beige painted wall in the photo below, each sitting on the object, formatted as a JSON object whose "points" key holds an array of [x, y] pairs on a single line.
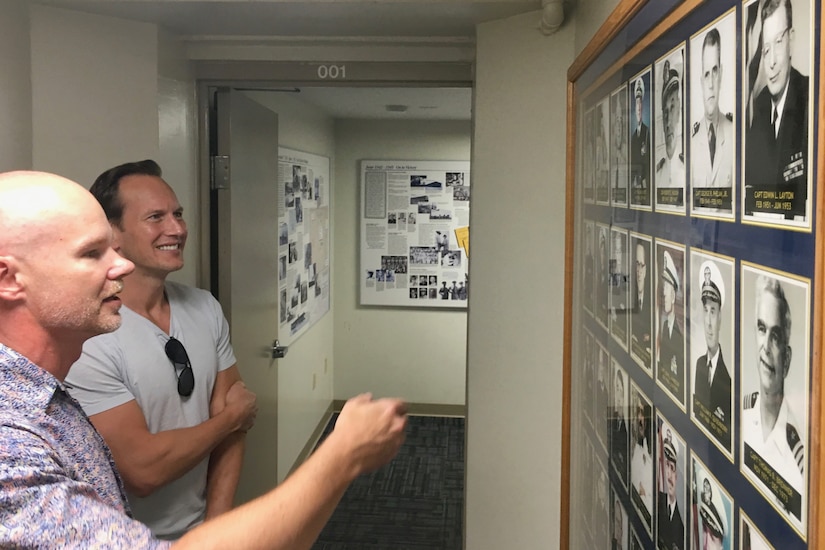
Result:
{"points": [[15, 99], [415, 353], [516, 317]]}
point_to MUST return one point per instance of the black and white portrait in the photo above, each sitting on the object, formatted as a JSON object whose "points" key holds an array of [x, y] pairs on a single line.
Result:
{"points": [[640, 141], [641, 456], [777, 94], [619, 427], [618, 147], [641, 300], [601, 162], [669, 145], [670, 320], [619, 530], [713, 120], [602, 273], [619, 295], [671, 504], [775, 370], [712, 351]]}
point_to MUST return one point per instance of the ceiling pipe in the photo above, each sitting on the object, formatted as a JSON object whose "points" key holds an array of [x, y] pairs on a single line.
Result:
{"points": [[552, 16]]}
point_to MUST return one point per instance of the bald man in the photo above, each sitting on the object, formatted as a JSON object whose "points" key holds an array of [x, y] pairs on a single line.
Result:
{"points": [[59, 285]]}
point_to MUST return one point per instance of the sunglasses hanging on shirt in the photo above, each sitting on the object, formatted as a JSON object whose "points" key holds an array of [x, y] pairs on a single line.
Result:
{"points": [[180, 359]]}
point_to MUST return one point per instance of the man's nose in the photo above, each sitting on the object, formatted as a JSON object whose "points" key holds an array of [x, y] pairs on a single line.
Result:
{"points": [[121, 267]]}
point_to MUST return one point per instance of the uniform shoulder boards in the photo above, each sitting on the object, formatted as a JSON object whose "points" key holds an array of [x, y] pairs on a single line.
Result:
{"points": [[696, 127], [795, 443], [682, 157], [660, 164], [729, 116], [750, 400]]}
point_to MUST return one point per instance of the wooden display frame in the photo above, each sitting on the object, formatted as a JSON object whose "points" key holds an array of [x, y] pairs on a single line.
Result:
{"points": [[635, 37]]}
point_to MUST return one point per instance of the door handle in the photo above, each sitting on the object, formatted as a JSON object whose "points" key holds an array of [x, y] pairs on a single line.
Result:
{"points": [[278, 351]]}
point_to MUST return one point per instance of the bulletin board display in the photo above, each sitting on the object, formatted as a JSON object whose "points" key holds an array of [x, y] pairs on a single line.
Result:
{"points": [[694, 261], [414, 225], [303, 242]]}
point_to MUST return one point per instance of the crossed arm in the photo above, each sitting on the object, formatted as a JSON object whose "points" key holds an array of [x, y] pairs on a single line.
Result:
{"points": [[149, 461]]}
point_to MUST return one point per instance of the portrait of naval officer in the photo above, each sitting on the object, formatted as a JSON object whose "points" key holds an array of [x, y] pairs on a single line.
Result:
{"points": [[639, 148], [715, 528], [713, 136], [776, 142], [670, 166], [712, 381], [670, 528], [769, 425], [670, 367]]}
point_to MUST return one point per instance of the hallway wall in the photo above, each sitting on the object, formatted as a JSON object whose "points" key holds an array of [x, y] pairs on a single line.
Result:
{"points": [[15, 101], [416, 353], [516, 317]]}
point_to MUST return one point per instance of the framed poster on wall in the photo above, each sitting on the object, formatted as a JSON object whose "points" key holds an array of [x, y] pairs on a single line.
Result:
{"points": [[414, 215], [695, 267], [303, 242]]}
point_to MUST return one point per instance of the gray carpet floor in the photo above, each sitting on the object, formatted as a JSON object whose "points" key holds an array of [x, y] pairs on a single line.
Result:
{"points": [[414, 503]]}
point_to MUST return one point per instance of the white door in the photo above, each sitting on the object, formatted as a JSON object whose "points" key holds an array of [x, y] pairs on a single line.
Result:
{"points": [[247, 268]]}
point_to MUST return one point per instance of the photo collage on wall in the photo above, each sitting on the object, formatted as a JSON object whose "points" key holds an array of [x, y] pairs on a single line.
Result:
{"points": [[693, 283], [414, 233]]}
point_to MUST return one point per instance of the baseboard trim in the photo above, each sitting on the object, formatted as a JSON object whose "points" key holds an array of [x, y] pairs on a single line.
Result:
{"points": [[313, 439], [415, 409], [421, 409]]}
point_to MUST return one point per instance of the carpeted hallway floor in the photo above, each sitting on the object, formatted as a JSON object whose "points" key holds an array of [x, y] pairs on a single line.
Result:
{"points": [[414, 503]]}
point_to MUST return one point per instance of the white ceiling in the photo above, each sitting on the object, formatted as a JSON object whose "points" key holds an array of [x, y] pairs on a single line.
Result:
{"points": [[393, 20], [309, 18]]}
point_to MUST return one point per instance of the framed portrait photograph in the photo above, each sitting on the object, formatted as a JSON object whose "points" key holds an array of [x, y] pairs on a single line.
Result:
{"points": [[602, 280], [671, 500], [641, 298], [713, 119], [601, 161], [589, 351], [750, 537], [618, 147], [641, 184], [669, 144], [642, 448], [589, 267], [713, 505], [670, 320], [619, 297], [619, 529], [602, 403], [775, 373], [777, 113], [694, 321], [588, 173], [712, 349], [601, 520], [619, 426]]}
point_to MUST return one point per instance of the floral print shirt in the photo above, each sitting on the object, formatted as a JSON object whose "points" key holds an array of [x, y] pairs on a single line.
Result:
{"points": [[59, 487]]}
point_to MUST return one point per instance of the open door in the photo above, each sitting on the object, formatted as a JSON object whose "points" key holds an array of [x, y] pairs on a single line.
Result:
{"points": [[245, 232]]}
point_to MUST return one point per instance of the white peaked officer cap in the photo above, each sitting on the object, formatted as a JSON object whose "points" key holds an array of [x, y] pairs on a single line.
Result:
{"points": [[711, 283], [713, 512], [669, 272]]}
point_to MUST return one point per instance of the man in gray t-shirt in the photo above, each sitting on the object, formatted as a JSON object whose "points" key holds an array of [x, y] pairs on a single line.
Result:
{"points": [[163, 390]]}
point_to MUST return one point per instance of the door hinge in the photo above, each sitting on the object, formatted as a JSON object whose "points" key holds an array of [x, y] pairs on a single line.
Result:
{"points": [[220, 172]]}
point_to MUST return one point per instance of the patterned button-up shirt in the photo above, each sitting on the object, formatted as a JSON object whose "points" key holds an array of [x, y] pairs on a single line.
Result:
{"points": [[58, 484]]}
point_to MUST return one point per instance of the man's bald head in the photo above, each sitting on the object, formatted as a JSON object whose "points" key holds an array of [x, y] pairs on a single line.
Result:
{"points": [[33, 206]]}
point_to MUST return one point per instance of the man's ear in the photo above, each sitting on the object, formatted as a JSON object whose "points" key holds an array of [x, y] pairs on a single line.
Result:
{"points": [[11, 288], [788, 354]]}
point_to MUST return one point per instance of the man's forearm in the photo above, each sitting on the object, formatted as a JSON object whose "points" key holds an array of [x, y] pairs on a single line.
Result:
{"points": [[225, 464], [289, 517]]}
